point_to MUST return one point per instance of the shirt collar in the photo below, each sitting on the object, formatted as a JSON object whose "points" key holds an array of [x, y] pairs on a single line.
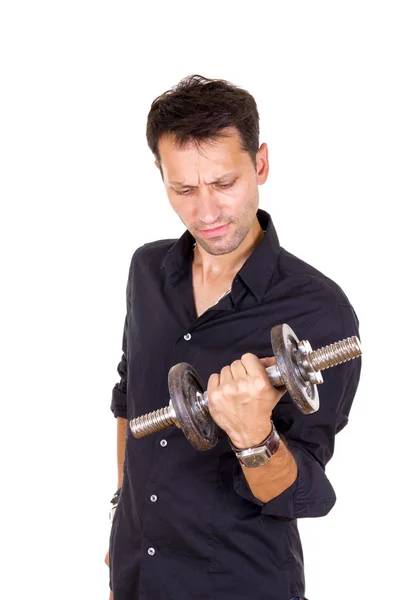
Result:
{"points": [[257, 271]]}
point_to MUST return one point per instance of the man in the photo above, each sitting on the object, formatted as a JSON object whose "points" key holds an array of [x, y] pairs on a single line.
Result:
{"points": [[195, 525]]}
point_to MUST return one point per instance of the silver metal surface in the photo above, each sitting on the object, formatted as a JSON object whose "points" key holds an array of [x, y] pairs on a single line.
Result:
{"points": [[155, 421], [334, 354], [303, 360], [274, 375]]}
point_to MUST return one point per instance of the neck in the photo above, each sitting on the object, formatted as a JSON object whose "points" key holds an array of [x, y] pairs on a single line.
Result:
{"points": [[213, 268]]}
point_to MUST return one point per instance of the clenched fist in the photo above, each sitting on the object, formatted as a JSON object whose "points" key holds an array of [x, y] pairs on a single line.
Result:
{"points": [[241, 399]]}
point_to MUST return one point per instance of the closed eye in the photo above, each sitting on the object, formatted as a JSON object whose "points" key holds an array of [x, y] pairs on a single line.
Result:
{"points": [[184, 193], [220, 185]]}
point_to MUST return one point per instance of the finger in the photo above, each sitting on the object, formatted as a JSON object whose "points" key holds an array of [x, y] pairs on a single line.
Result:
{"points": [[238, 371], [253, 365], [213, 382], [268, 361], [226, 375]]}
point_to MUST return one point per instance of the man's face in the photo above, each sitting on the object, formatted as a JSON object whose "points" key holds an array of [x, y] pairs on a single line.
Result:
{"points": [[214, 188]]}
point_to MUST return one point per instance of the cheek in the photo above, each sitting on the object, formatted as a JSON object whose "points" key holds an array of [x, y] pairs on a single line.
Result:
{"points": [[248, 189], [182, 205], [239, 196]]}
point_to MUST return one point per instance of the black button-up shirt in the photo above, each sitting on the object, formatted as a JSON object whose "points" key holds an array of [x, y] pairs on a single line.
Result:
{"points": [[187, 526]]}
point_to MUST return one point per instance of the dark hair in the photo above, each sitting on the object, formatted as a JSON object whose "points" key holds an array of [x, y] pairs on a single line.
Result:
{"points": [[197, 108]]}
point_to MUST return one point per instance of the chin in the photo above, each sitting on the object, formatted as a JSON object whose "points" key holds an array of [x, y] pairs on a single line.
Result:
{"points": [[221, 247]]}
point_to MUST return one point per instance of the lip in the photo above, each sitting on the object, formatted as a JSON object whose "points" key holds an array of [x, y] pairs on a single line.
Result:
{"points": [[214, 232]]}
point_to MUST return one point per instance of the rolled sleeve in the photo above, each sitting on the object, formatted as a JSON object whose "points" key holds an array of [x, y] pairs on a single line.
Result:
{"points": [[119, 392], [118, 396], [118, 403], [311, 438], [310, 495]]}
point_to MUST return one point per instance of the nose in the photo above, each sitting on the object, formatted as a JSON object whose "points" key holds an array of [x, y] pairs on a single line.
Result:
{"points": [[208, 209]]}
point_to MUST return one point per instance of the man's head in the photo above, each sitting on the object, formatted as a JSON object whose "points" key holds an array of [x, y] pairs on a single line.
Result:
{"points": [[204, 135]]}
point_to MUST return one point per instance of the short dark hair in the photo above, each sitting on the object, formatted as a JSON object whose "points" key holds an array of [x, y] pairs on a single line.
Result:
{"points": [[197, 108]]}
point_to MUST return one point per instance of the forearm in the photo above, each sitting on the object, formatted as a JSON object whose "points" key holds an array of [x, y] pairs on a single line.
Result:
{"points": [[270, 480], [121, 441]]}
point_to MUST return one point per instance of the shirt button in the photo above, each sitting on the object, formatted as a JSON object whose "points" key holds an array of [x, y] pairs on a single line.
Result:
{"points": [[163, 443], [151, 551], [187, 337], [153, 498]]}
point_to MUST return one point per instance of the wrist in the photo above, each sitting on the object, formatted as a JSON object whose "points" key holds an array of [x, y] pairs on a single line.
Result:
{"points": [[259, 454], [250, 439]]}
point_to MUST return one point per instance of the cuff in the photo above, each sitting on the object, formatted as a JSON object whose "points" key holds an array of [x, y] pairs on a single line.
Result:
{"points": [[310, 495], [118, 403]]}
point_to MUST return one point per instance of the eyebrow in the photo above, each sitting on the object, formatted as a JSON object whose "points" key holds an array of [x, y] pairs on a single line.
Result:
{"points": [[218, 180]]}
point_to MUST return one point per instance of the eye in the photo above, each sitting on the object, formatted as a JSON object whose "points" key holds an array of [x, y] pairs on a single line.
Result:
{"points": [[184, 193], [226, 185]]}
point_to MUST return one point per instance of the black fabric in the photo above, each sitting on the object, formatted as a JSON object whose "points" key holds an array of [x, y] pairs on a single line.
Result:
{"points": [[211, 537]]}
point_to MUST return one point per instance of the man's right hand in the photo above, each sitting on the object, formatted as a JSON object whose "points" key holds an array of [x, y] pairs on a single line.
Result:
{"points": [[107, 561]]}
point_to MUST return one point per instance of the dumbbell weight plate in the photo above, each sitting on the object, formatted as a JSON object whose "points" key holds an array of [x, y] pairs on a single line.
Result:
{"points": [[303, 393], [185, 389]]}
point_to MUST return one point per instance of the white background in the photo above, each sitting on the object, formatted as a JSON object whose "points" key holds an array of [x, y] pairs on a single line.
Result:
{"points": [[79, 192]]}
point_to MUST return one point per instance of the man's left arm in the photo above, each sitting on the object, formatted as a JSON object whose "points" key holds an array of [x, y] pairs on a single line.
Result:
{"points": [[270, 480], [293, 483]]}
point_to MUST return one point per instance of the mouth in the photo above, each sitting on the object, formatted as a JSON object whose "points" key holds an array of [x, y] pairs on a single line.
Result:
{"points": [[215, 232]]}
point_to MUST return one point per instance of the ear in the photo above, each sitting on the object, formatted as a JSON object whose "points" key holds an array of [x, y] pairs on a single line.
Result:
{"points": [[159, 168], [262, 164]]}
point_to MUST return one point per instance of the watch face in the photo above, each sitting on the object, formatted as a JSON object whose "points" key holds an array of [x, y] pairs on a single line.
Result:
{"points": [[255, 460]]}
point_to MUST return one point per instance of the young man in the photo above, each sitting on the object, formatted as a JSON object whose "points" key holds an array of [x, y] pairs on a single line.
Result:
{"points": [[201, 525]]}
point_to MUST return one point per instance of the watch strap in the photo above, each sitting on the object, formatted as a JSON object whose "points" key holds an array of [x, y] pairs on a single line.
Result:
{"points": [[270, 445]]}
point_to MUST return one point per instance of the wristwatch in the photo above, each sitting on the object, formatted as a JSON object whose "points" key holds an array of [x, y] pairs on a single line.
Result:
{"points": [[114, 504], [259, 455]]}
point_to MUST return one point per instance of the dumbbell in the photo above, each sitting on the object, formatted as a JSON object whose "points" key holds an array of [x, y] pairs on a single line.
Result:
{"points": [[297, 367]]}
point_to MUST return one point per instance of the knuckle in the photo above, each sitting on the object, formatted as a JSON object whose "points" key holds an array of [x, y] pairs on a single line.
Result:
{"points": [[242, 384], [214, 397], [260, 383], [228, 389]]}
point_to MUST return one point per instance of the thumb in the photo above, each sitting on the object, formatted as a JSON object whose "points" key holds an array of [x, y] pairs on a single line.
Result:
{"points": [[268, 361]]}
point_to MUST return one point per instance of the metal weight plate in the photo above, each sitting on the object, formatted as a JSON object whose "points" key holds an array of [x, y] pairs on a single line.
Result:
{"points": [[303, 393], [186, 389]]}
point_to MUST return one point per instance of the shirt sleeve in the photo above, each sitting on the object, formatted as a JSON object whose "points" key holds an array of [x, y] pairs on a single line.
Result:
{"points": [[118, 396], [311, 438], [119, 391]]}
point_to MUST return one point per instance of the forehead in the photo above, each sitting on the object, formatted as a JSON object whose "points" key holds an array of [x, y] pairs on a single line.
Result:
{"points": [[224, 151]]}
